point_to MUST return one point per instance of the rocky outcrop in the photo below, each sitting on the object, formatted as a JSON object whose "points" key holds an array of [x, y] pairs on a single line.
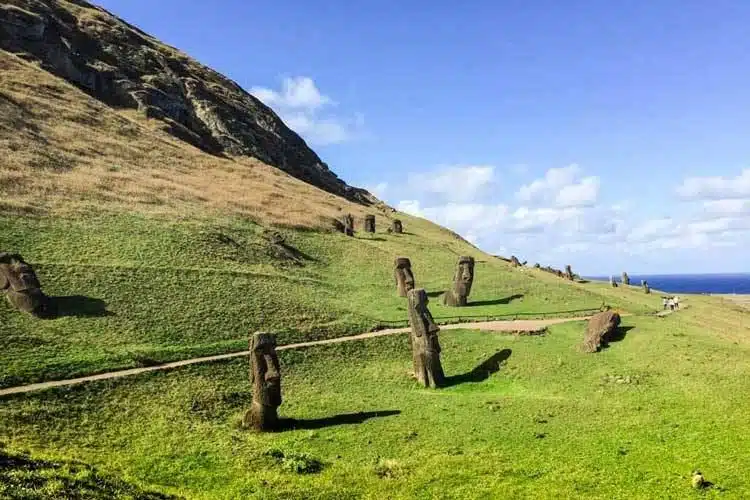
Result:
{"points": [[124, 67]]}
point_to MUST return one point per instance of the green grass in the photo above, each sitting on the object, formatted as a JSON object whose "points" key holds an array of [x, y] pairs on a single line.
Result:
{"points": [[552, 423], [174, 289]]}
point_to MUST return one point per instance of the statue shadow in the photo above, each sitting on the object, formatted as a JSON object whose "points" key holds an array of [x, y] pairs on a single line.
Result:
{"points": [[496, 302], [435, 294], [289, 424], [481, 372], [618, 335], [77, 306]]}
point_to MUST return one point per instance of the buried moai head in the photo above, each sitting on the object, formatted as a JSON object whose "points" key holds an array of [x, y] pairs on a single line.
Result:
{"points": [[462, 281], [404, 276], [514, 261], [646, 287], [424, 340], [369, 223], [265, 377], [625, 278], [599, 330], [348, 221], [569, 272], [397, 227], [21, 286]]}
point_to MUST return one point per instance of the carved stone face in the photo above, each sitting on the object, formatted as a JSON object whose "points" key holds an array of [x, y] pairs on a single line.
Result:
{"points": [[464, 277], [404, 275], [419, 316], [265, 372]]}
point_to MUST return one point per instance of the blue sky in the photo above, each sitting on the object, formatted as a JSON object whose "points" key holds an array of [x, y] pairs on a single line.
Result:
{"points": [[606, 135]]}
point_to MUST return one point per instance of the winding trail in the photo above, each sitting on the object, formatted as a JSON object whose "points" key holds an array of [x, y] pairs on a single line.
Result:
{"points": [[522, 325]]}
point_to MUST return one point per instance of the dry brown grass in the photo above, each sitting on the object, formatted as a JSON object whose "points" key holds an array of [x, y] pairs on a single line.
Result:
{"points": [[64, 152]]}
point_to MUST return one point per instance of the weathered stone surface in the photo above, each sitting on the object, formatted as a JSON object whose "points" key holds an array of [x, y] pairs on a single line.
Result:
{"points": [[600, 329], [569, 273], [369, 223], [21, 286], [625, 279], [348, 225], [124, 67], [462, 280], [424, 341], [514, 261], [397, 227], [404, 276], [265, 376]]}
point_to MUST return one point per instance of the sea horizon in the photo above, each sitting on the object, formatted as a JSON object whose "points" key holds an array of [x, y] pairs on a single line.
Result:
{"points": [[700, 283]]}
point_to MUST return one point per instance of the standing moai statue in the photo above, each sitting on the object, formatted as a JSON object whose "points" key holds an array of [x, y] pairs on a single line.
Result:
{"points": [[397, 227], [646, 288], [348, 225], [19, 283], [369, 223], [625, 278], [612, 282], [404, 276], [424, 341], [569, 272], [265, 376], [462, 280], [514, 261]]}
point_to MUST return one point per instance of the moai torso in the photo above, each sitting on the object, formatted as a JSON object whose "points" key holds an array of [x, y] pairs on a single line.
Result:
{"points": [[404, 276], [462, 282], [369, 223], [21, 285], [397, 227], [424, 340], [265, 377]]}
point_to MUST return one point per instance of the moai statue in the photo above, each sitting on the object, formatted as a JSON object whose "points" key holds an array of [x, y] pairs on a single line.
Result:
{"points": [[599, 330], [348, 225], [612, 282], [646, 288], [514, 261], [265, 376], [397, 227], [569, 272], [369, 223], [462, 281], [21, 286], [625, 278], [404, 276], [537, 266], [424, 341]]}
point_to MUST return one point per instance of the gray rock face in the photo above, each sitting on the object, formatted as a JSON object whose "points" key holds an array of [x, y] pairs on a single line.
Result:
{"points": [[125, 67]]}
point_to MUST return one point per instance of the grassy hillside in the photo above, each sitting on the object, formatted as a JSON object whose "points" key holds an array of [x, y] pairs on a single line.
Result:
{"points": [[136, 290], [630, 422]]}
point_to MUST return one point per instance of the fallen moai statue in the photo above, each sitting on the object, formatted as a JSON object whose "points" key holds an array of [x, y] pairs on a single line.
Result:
{"points": [[462, 280], [599, 330], [265, 376], [424, 341], [404, 276], [19, 283]]}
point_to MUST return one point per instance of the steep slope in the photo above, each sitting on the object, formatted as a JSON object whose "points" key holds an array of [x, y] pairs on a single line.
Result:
{"points": [[127, 69]]}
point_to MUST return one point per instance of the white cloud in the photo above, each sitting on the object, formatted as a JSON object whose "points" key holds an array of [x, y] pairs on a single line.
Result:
{"points": [[379, 189], [727, 207], [299, 104], [411, 207], [562, 187], [716, 188], [455, 183], [652, 230]]}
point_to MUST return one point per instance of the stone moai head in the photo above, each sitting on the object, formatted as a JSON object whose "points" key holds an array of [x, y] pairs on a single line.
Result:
{"points": [[404, 276], [612, 282], [348, 221], [625, 278], [462, 281], [369, 223], [397, 227], [645, 286], [424, 340], [569, 272], [265, 377], [21, 286], [514, 261]]}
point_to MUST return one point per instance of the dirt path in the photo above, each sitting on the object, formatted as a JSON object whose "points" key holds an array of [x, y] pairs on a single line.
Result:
{"points": [[530, 325]]}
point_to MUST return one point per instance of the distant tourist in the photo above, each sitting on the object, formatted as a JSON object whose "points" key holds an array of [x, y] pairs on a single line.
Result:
{"points": [[665, 302], [670, 302], [676, 302]]}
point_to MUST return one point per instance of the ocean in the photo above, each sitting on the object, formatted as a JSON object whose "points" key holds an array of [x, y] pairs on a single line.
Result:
{"points": [[692, 283]]}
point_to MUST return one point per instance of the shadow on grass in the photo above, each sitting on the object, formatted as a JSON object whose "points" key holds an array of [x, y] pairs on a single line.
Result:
{"points": [[495, 302], [78, 306], [288, 424], [435, 294], [618, 335], [482, 371]]}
